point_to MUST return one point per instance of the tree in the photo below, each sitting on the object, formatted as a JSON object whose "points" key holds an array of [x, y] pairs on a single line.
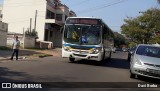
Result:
{"points": [[144, 28], [118, 39], [32, 33], [158, 1]]}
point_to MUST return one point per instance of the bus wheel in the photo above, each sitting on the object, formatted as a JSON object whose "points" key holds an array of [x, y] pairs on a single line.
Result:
{"points": [[72, 59], [103, 57]]}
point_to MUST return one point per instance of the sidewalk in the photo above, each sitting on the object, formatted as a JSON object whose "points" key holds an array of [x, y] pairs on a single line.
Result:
{"points": [[30, 53]]}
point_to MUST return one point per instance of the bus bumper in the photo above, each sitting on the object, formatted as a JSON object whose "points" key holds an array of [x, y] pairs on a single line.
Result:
{"points": [[96, 57]]}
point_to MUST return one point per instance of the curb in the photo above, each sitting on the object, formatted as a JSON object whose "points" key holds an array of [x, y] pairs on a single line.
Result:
{"points": [[24, 57]]}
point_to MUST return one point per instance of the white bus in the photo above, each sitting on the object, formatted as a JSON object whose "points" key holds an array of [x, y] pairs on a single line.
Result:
{"points": [[86, 38]]}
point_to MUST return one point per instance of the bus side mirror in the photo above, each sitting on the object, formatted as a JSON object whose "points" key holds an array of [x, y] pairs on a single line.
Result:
{"points": [[61, 29]]}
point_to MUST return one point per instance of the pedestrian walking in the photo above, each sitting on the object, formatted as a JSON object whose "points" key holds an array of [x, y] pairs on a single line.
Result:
{"points": [[15, 47]]}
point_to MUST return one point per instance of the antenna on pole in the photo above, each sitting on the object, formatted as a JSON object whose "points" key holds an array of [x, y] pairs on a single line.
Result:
{"points": [[30, 25], [35, 21]]}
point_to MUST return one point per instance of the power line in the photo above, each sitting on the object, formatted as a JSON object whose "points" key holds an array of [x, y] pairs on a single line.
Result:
{"points": [[41, 16], [21, 5], [19, 18], [80, 3], [114, 26], [100, 7], [18, 21]]}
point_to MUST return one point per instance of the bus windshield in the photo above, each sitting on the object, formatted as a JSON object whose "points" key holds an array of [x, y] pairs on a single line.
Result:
{"points": [[82, 34]]}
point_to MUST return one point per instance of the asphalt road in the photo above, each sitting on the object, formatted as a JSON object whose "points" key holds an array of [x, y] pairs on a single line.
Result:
{"points": [[57, 69]]}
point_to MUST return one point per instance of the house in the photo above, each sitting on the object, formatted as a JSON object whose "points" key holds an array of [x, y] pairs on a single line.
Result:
{"points": [[3, 30], [44, 16]]}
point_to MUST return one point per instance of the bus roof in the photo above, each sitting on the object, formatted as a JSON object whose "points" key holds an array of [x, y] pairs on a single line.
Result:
{"points": [[85, 17], [93, 18]]}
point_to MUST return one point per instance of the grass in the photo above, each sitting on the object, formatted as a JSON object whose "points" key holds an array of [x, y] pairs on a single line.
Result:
{"points": [[41, 55], [35, 48], [4, 48]]}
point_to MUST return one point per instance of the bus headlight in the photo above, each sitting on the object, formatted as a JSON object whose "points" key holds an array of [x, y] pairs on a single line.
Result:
{"points": [[95, 50], [67, 48]]}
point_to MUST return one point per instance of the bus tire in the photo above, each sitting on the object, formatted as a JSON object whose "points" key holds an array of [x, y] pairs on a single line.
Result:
{"points": [[103, 57], [72, 59]]}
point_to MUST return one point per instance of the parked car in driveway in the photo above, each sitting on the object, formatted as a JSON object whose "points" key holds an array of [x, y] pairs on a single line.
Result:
{"points": [[125, 50], [145, 61], [130, 52], [114, 50], [118, 49]]}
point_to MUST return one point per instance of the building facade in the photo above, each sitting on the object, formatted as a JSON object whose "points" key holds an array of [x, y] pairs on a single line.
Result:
{"points": [[45, 16], [0, 13], [3, 30]]}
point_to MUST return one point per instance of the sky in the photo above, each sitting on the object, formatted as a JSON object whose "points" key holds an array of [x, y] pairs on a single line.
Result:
{"points": [[113, 12]]}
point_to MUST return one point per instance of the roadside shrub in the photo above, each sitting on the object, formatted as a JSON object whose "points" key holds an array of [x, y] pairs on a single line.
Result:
{"points": [[4, 48]]}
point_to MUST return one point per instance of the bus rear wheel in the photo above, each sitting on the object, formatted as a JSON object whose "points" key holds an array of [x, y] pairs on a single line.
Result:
{"points": [[71, 59]]}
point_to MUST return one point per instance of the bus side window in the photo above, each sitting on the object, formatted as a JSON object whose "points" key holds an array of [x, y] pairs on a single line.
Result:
{"points": [[61, 29], [104, 33]]}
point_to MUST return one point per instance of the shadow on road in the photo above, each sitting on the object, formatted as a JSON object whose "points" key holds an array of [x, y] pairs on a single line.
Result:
{"points": [[114, 63], [117, 63], [8, 53], [5, 72], [150, 80], [118, 60]]}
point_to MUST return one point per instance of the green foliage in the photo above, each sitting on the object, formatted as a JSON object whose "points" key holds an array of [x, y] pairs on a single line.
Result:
{"points": [[4, 48], [118, 39], [41, 55], [142, 29], [31, 33], [132, 44], [158, 1]]}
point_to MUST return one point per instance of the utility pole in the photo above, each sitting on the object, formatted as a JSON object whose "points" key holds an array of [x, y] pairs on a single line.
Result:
{"points": [[30, 25], [23, 31], [35, 21], [24, 35]]}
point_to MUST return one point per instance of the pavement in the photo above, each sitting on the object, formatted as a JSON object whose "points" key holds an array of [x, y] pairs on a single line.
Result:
{"points": [[30, 53]]}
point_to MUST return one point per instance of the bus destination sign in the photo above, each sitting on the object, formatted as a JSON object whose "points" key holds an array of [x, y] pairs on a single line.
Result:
{"points": [[83, 21]]}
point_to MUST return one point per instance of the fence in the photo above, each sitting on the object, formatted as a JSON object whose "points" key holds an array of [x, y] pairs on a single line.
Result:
{"points": [[44, 45], [3, 38], [25, 41], [28, 41], [3, 33]]}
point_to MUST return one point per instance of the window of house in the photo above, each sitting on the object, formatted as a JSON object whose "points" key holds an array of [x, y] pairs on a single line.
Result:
{"points": [[1, 15], [50, 15], [66, 17], [59, 17], [51, 33]]}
